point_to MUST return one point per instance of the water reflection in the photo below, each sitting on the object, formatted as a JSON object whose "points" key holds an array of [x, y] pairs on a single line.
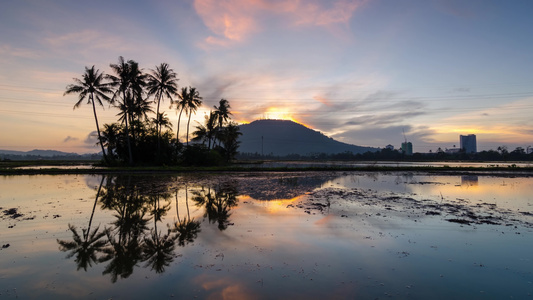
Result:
{"points": [[140, 234], [129, 240], [86, 248], [469, 180], [217, 203], [336, 235], [186, 227]]}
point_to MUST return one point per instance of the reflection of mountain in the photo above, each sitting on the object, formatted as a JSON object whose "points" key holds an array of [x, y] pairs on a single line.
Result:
{"points": [[281, 186], [283, 137]]}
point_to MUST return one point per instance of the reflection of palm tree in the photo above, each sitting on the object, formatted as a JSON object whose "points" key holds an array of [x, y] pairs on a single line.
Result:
{"points": [[187, 228], [130, 226], [158, 250], [85, 249], [123, 256], [217, 204], [92, 86]]}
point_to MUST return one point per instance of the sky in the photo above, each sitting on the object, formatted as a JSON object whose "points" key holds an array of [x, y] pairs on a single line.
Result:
{"points": [[364, 72]]}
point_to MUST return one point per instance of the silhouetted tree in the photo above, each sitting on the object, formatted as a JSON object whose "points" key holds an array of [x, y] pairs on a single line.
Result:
{"points": [[162, 82], [192, 102], [93, 88]]}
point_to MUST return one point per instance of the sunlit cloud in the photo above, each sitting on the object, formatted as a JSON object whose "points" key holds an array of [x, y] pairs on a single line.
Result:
{"points": [[236, 20]]}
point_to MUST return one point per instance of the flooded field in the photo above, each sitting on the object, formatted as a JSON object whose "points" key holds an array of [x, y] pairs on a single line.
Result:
{"points": [[336, 235]]}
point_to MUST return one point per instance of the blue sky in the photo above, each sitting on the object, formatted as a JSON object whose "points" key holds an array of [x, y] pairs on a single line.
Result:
{"points": [[362, 72]]}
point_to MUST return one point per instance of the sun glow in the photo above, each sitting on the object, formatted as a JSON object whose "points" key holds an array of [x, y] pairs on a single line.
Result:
{"points": [[279, 114]]}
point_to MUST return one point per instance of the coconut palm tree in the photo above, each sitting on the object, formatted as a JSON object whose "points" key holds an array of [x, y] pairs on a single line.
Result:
{"points": [[192, 102], [223, 113], [162, 82], [230, 140], [93, 88], [206, 132], [110, 138], [121, 83], [180, 105]]}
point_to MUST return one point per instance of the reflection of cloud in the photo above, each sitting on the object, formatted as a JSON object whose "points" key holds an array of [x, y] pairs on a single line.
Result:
{"points": [[223, 288]]}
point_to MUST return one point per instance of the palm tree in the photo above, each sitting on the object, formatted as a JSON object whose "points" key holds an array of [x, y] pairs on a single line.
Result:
{"points": [[222, 112], [92, 87], [180, 105], [162, 82], [121, 83], [192, 102], [206, 132], [230, 140], [110, 138]]}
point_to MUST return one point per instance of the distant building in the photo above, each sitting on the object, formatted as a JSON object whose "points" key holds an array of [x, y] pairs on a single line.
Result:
{"points": [[452, 150], [389, 147], [407, 148], [468, 143]]}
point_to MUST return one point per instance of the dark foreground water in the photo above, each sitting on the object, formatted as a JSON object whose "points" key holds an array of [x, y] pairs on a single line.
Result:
{"points": [[266, 236]]}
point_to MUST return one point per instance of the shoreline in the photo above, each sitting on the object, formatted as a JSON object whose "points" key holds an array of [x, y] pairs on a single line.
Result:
{"points": [[53, 170]]}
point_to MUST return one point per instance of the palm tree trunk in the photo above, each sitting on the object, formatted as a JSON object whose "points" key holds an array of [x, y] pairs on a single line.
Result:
{"points": [[98, 130], [188, 122], [158, 127], [178, 134], [127, 128]]}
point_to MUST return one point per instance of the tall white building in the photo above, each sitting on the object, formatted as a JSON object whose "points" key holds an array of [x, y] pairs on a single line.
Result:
{"points": [[468, 143]]}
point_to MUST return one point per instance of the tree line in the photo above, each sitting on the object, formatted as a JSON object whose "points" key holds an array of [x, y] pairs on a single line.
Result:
{"points": [[387, 154], [144, 136]]}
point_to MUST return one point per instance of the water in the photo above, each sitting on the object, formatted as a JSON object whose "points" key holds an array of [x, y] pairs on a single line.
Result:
{"points": [[264, 236]]}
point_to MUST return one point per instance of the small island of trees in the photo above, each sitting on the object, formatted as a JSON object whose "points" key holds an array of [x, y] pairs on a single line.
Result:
{"points": [[142, 136]]}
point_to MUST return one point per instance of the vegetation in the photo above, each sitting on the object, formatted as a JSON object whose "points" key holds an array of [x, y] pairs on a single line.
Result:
{"points": [[138, 139], [388, 154]]}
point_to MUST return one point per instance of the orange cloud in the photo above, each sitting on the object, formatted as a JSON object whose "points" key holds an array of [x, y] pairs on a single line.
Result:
{"points": [[235, 20], [322, 100]]}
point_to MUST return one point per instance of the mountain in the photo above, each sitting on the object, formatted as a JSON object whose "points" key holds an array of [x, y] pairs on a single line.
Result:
{"points": [[45, 154], [284, 137]]}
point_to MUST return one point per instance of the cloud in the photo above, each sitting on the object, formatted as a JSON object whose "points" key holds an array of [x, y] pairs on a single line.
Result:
{"points": [[10, 51], [236, 20], [70, 139], [91, 139]]}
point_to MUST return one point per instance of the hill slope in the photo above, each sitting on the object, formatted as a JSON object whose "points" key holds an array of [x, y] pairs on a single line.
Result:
{"points": [[283, 137]]}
